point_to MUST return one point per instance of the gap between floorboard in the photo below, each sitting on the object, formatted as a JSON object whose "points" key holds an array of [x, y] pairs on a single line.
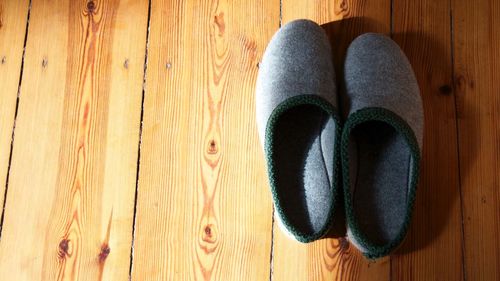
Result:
{"points": [[15, 117], [140, 143]]}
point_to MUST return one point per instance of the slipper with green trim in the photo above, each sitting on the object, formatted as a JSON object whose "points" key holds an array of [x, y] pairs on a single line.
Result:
{"points": [[299, 128], [380, 144]]}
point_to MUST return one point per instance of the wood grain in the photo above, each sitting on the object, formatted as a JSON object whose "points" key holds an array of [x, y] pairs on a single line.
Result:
{"points": [[70, 198], [477, 73], [13, 16], [331, 258], [433, 248], [204, 208]]}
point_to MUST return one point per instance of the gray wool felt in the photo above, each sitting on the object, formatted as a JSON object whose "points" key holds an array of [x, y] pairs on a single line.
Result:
{"points": [[378, 74], [297, 62]]}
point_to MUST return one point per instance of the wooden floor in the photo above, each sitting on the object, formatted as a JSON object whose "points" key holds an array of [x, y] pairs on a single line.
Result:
{"points": [[129, 150]]}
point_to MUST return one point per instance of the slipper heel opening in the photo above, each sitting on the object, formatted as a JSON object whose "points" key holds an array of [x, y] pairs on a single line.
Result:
{"points": [[380, 188], [380, 168], [302, 149]]}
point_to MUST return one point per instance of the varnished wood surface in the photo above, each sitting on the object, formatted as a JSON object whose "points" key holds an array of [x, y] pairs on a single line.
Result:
{"points": [[135, 153], [70, 199], [13, 18], [203, 211], [476, 75]]}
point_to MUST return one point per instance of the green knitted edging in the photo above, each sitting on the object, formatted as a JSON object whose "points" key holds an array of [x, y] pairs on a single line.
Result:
{"points": [[269, 151], [371, 250]]}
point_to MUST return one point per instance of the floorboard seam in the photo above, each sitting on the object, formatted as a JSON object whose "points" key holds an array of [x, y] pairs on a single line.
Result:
{"points": [[140, 142], [281, 13], [391, 19], [391, 34], [464, 276], [271, 267], [15, 117], [272, 250]]}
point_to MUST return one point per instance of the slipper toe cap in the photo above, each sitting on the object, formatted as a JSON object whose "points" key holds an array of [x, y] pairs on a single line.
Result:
{"points": [[297, 61]]}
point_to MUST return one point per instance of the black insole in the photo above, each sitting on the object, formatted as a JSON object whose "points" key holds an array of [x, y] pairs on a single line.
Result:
{"points": [[380, 167], [304, 144]]}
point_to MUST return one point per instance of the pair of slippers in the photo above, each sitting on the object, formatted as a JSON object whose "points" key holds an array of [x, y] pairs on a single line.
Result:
{"points": [[373, 152]]}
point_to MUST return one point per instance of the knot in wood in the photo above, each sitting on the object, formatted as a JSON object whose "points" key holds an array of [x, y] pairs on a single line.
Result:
{"points": [[105, 250], [212, 147], [445, 90], [63, 248], [91, 7]]}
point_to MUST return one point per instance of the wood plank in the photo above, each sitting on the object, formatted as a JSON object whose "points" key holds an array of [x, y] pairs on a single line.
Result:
{"points": [[477, 72], [13, 16], [70, 200], [203, 208], [433, 248], [331, 258]]}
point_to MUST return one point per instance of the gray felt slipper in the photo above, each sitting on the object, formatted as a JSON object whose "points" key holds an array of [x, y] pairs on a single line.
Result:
{"points": [[380, 144], [299, 128]]}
